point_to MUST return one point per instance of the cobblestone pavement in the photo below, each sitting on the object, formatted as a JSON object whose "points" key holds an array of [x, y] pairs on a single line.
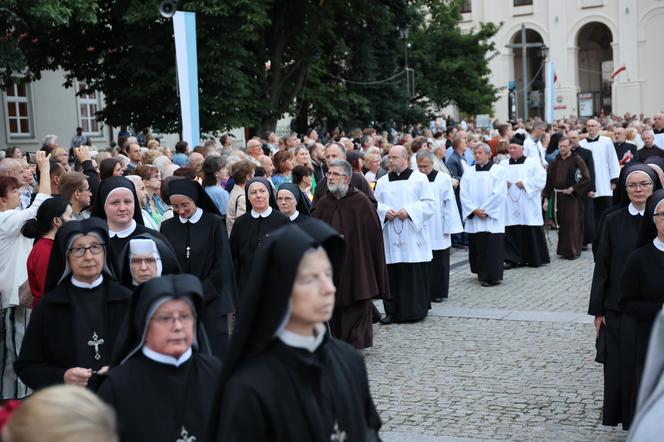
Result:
{"points": [[512, 362]]}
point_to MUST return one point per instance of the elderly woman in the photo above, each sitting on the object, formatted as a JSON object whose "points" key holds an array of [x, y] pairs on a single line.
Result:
{"points": [[253, 228], [619, 234], [14, 251], [292, 203], [72, 331], [198, 236], [242, 171], [61, 155], [283, 167], [144, 258], [163, 377], [285, 378], [641, 286]]}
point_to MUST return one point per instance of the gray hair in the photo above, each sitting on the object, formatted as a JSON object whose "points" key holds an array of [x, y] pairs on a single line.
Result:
{"points": [[345, 165], [648, 132], [485, 147], [160, 163], [49, 139], [539, 125], [424, 154], [338, 145]]}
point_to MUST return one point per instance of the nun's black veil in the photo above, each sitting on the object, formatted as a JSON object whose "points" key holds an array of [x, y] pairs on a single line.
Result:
{"points": [[169, 261], [106, 187], [183, 285], [266, 183], [302, 205], [648, 230], [192, 190], [264, 303], [57, 263]]}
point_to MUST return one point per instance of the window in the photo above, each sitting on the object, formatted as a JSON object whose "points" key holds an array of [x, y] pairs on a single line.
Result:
{"points": [[466, 6], [523, 2], [17, 99], [88, 104]]}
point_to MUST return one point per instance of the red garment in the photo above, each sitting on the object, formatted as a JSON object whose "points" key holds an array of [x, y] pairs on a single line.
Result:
{"points": [[37, 265], [493, 144]]}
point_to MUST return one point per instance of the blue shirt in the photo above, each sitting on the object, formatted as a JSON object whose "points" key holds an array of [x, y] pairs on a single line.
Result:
{"points": [[219, 196], [180, 159]]}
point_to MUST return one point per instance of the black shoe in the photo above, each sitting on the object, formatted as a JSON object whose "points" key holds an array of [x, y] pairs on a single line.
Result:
{"points": [[437, 299], [584, 248], [386, 320], [508, 265], [489, 283]]}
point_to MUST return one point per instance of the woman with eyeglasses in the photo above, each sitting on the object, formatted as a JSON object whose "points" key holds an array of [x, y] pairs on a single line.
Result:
{"points": [[619, 234], [163, 377], [642, 297], [72, 331], [151, 177]]}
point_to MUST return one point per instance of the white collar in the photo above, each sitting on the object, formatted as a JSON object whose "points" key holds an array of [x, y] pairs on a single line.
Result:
{"points": [[294, 215], [309, 343], [634, 211], [166, 359], [123, 233], [658, 244], [194, 218], [265, 214], [84, 285]]}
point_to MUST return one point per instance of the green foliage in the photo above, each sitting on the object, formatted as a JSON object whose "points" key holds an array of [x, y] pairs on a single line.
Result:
{"points": [[328, 59]]}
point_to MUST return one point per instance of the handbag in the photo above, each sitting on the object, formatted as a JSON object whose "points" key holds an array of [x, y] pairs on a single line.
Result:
{"points": [[600, 345]]}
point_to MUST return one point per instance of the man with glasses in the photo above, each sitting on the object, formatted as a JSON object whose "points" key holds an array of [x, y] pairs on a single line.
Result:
{"points": [[364, 274], [74, 188]]}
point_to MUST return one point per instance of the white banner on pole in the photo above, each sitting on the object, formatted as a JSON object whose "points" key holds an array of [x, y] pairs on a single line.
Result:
{"points": [[550, 77], [184, 27]]}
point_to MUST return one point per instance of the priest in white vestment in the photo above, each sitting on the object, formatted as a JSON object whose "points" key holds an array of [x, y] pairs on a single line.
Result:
{"points": [[482, 195], [525, 241], [405, 206], [607, 168], [532, 145], [444, 222]]}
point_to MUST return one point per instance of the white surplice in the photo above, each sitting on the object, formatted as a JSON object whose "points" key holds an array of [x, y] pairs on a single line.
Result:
{"points": [[406, 241], [445, 220], [533, 148], [606, 164], [523, 206], [484, 190]]}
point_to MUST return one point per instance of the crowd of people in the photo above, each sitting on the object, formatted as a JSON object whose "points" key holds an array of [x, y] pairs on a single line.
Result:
{"points": [[220, 292]]}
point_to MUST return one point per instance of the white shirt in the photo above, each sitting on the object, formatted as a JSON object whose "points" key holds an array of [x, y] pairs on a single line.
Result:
{"points": [[123, 233], [265, 214], [193, 218], [166, 359], [14, 250], [484, 190], [523, 206], [533, 148], [445, 219], [605, 161]]}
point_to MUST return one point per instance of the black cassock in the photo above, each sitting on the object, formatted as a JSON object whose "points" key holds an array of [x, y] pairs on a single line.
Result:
{"points": [[248, 235], [289, 395], [642, 298], [117, 245], [618, 239], [72, 327], [202, 250], [158, 402]]}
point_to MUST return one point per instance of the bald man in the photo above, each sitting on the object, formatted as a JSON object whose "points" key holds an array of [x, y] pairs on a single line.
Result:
{"points": [[405, 206], [195, 160]]}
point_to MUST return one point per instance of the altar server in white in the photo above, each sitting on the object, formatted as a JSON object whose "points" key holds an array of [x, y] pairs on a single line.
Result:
{"points": [[525, 242], [607, 168], [532, 145], [405, 205], [483, 194], [443, 223]]}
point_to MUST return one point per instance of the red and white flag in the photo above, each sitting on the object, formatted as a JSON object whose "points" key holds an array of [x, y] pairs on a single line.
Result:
{"points": [[622, 68]]}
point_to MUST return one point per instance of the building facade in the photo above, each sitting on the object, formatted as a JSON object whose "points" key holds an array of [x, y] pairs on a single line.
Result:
{"points": [[588, 41]]}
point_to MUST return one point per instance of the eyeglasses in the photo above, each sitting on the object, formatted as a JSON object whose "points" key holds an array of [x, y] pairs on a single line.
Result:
{"points": [[170, 320], [83, 190], [141, 261], [658, 214], [95, 249], [334, 174], [634, 186]]}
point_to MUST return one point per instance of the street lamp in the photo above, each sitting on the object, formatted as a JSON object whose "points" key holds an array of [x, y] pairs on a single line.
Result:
{"points": [[403, 32]]}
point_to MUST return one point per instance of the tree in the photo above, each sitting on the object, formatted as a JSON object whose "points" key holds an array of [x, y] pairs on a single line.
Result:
{"points": [[327, 59]]}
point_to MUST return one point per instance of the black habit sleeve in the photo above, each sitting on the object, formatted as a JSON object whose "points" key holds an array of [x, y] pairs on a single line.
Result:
{"points": [[600, 283], [632, 303], [93, 178]]}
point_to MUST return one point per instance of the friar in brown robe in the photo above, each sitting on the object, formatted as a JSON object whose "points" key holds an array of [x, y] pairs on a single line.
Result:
{"points": [[364, 272], [567, 180]]}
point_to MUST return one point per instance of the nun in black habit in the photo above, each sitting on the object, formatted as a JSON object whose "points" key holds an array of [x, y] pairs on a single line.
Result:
{"points": [[285, 378], [163, 376], [74, 327], [641, 285], [619, 235], [198, 236], [291, 202], [117, 204], [146, 257], [252, 229]]}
